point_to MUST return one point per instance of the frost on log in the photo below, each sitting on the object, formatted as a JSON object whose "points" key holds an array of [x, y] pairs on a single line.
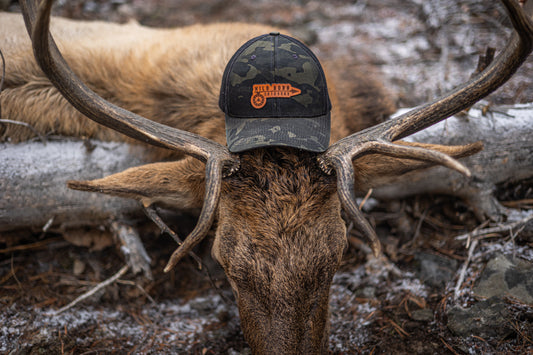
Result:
{"points": [[33, 175], [33, 190], [507, 157]]}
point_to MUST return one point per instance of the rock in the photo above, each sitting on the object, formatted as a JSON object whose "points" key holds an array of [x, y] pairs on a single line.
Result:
{"points": [[366, 292], [422, 315], [78, 267], [506, 277], [503, 277], [485, 319], [435, 270]]}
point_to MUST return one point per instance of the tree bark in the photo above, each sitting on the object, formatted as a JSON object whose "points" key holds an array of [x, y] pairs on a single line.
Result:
{"points": [[507, 134], [33, 176]]}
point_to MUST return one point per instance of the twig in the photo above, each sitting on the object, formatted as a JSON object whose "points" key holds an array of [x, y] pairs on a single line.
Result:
{"points": [[399, 329], [48, 224], [481, 226], [419, 224], [46, 227], [518, 203], [152, 214], [513, 237], [361, 205], [36, 245], [520, 331], [41, 137], [464, 268], [139, 287], [133, 249], [14, 275], [417, 230], [479, 338], [91, 292], [503, 228], [449, 346]]}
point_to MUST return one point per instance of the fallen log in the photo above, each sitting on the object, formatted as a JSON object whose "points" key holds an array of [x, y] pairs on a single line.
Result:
{"points": [[33, 190], [33, 175], [507, 157]]}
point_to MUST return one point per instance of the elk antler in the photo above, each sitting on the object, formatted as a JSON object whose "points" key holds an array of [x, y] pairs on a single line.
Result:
{"points": [[3, 71], [378, 139], [3, 77], [216, 156]]}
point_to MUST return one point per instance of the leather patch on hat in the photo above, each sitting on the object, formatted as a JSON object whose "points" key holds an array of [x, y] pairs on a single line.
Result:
{"points": [[262, 92]]}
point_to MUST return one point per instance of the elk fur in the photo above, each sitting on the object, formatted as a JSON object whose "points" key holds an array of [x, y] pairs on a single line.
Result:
{"points": [[168, 75], [277, 245]]}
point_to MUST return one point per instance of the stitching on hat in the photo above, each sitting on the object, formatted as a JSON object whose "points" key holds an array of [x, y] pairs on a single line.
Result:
{"points": [[262, 92]]}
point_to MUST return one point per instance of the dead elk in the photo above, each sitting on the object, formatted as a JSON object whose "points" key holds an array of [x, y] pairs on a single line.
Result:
{"points": [[280, 236]]}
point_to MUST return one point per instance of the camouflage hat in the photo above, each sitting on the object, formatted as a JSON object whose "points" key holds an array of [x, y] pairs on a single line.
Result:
{"points": [[274, 93]]}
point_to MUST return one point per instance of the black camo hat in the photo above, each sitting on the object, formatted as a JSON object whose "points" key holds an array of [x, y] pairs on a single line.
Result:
{"points": [[274, 93]]}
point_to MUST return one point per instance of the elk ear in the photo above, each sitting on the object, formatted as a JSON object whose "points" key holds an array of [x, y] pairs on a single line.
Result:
{"points": [[374, 170], [178, 184]]}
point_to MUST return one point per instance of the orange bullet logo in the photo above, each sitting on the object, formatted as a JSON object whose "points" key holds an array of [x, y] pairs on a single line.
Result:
{"points": [[262, 92]]}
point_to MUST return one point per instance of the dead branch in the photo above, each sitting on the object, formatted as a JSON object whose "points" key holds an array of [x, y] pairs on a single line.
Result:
{"points": [[507, 157], [94, 290], [33, 175], [462, 273], [23, 124], [507, 227], [33, 187], [133, 249]]}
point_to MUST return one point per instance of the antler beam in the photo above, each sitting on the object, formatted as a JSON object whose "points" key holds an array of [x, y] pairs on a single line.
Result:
{"points": [[99, 110], [216, 156], [378, 139]]}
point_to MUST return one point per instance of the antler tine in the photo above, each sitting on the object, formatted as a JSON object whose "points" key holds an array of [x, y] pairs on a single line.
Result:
{"points": [[3, 71], [345, 183], [377, 139], [212, 192], [3, 77], [96, 108], [216, 156], [496, 74]]}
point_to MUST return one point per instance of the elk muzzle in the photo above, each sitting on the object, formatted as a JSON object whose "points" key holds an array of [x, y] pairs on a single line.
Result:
{"points": [[280, 240]]}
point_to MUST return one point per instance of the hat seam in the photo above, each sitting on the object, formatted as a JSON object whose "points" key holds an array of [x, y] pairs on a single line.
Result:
{"points": [[321, 71], [314, 134], [223, 101]]}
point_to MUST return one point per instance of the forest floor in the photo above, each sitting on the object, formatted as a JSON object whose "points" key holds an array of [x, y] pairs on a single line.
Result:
{"points": [[435, 302]]}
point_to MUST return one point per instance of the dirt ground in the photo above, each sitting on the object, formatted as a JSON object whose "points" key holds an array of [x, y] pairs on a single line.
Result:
{"points": [[419, 49]]}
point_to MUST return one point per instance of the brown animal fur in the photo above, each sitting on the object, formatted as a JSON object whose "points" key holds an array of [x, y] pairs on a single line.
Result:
{"points": [[173, 78], [280, 235], [283, 246]]}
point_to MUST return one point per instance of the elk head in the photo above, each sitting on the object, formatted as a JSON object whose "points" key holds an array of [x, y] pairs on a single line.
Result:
{"points": [[280, 235]]}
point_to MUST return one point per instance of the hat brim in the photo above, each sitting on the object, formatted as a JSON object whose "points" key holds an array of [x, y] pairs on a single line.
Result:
{"points": [[310, 134]]}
